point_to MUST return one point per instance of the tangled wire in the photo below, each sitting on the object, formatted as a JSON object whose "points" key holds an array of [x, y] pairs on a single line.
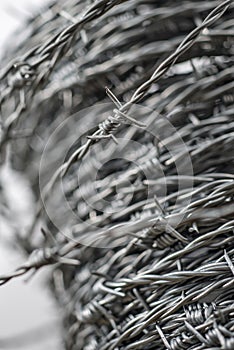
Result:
{"points": [[134, 203]]}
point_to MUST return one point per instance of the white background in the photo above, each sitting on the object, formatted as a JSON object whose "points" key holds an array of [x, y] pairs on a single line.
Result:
{"points": [[24, 306]]}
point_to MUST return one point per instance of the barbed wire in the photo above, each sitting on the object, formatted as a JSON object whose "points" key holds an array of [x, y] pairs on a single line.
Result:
{"points": [[41, 257], [112, 123], [23, 72], [165, 283], [48, 49]]}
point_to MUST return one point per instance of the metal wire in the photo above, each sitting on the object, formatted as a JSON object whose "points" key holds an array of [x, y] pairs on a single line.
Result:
{"points": [[112, 123], [166, 278]]}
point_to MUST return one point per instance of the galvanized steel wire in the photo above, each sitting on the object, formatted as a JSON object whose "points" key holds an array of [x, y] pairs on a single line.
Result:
{"points": [[164, 278]]}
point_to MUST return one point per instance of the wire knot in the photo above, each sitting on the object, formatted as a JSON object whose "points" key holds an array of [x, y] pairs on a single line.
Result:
{"points": [[42, 257], [22, 74]]}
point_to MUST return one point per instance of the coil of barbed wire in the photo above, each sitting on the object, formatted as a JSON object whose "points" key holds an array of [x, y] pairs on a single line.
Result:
{"points": [[164, 275]]}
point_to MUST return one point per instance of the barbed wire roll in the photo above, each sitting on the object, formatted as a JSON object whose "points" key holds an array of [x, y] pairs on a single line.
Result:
{"points": [[147, 257]]}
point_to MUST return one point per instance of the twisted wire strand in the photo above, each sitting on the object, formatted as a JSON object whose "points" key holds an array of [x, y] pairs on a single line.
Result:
{"points": [[24, 70], [44, 52], [42, 257], [112, 123], [137, 296]]}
